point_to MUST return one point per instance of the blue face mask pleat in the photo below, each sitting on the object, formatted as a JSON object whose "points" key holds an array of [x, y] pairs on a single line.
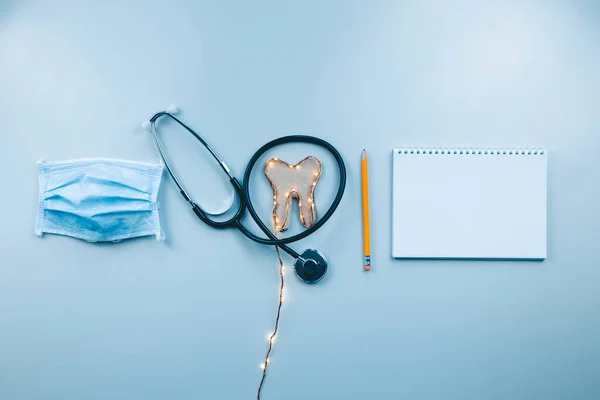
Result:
{"points": [[99, 199]]}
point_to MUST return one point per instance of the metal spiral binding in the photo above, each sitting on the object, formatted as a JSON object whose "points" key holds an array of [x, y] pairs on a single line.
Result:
{"points": [[509, 151]]}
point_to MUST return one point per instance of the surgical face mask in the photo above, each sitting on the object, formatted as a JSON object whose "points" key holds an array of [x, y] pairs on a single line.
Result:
{"points": [[98, 199]]}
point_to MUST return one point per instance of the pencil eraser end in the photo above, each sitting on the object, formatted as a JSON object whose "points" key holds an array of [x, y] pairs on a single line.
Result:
{"points": [[367, 267]]}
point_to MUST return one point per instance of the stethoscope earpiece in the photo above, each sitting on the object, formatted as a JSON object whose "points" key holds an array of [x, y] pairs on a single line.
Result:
{"points": [[311, 266], [172, 109]]}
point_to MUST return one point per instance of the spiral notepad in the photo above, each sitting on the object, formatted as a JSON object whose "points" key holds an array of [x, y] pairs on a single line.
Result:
{"points": [[469, 203]]}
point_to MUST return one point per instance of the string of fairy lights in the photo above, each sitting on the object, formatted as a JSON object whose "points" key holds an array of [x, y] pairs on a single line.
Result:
{"points": [[271, 337]]}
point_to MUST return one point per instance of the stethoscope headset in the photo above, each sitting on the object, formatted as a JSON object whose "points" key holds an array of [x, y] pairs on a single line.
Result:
{"points": [[311, 265]]}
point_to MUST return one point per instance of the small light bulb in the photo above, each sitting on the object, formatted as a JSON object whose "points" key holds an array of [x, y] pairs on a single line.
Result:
{"points": [[291, 166], [297, 167], [287, 194], [270, 163], [262, 366]]}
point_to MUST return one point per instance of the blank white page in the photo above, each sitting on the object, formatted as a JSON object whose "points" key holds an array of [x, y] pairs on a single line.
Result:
{"points": [[469, 203]]}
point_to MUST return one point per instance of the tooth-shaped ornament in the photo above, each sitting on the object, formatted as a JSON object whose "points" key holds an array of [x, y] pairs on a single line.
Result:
{"points": [[289, 181]]}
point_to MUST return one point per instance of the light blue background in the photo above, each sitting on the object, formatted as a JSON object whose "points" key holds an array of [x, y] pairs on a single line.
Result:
{"points": [[188, 319]]}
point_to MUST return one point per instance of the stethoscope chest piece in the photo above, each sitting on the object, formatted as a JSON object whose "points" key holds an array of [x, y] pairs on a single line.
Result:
{"points": [[311, 266]]}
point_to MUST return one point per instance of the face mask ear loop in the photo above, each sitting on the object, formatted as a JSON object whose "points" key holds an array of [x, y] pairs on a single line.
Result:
{"points": [[39, 221]]}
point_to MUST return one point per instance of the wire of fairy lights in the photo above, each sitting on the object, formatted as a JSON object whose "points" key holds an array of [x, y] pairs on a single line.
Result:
{"points": [[272, 336]]}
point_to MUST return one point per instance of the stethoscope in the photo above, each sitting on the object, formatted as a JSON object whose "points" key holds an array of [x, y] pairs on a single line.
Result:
{"points": [[311, 265]]}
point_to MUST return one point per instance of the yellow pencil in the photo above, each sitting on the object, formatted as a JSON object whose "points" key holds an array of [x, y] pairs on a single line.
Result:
{"points": [[365, 211]]}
